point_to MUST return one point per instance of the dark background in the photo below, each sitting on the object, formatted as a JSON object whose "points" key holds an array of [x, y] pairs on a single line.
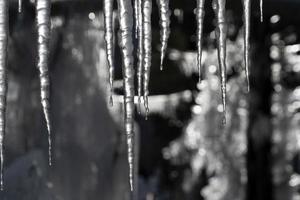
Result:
{"points": [[89, 145]]}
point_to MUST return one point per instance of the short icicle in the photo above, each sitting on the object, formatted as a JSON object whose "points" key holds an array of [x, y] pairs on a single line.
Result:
{"points": [[109, 43], [136, 17], [20, 6], [219, 8], [200, 17], [261, 8], [147, 10], [3, 77], [126, 44], [140, 52], [43, 21], [164, 13], [247, 13]]}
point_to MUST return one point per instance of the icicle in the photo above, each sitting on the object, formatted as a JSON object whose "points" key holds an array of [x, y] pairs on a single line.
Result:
{"points": [[261, 7], [136, 17], [147, 10], [126, 45], [109, 41], [20, 6], [164, 13], [44, 29], [200, 18], [140, 52], [219, 8], [247, 10], [3, 76]]}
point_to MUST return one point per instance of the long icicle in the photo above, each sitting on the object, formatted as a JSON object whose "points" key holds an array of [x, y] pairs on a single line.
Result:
{"points": [[147, 10], [43, 8], [221, 39], [261, 8], [164, 14], [200, 18], [126, 45], [3, 76], [109, 43], [140, 52], [247, 13]]}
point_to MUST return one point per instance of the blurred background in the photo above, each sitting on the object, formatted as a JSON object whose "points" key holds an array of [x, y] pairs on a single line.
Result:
{"points": [[185, 153]]}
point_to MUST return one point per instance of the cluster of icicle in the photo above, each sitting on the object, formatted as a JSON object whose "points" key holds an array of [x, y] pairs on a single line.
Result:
{"points": [[139, 14], [141, 17], [43, 30]]}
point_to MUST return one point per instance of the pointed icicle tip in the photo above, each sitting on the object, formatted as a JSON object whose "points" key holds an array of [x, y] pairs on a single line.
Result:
{"points": [[139, 105], [248, 86], [146, 109], [224, 120], [50, 147], [2, 163], [48, 123], [43, 21], [161, 67], [111, 102]]}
